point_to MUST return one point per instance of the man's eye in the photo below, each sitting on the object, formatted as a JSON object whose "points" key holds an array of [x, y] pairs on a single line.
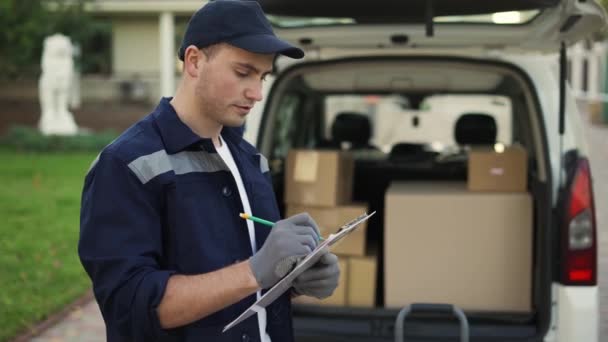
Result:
{"points": [[241, 74]]}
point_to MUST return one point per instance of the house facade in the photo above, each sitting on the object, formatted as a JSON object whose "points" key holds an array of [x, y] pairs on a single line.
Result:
{"points": [[145, 38]]}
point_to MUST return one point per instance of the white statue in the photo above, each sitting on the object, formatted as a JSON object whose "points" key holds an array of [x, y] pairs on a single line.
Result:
{"points": [[56, 86]]}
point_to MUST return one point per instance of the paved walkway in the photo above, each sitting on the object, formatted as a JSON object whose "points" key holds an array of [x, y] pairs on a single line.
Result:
{"points": [[83, 324], [86, 325], [597, 137]]}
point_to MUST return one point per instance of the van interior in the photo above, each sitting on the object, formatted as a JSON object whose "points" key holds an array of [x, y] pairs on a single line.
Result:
{"points": [[411, 126]]}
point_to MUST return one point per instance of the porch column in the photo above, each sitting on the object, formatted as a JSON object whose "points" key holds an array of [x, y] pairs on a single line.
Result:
{"points": [[576, 77], [593, 72], [167, 53]]}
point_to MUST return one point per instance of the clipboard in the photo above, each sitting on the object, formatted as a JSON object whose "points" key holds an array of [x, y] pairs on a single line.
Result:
{"points": [[284, 284]]}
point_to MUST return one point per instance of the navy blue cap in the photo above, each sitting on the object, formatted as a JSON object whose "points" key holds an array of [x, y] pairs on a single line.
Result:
{"points": [[240, 23]]}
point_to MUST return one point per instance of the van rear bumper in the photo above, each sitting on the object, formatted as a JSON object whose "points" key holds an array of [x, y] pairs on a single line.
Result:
{"points": [[324, 324], [576, 314]]}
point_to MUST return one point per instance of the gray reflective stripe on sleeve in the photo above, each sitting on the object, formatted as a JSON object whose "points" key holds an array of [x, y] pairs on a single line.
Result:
{"points": [[263, 163], [149, 166]]}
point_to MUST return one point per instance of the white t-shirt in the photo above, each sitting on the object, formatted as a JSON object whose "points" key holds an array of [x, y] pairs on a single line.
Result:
{"points": [[224, 152]]}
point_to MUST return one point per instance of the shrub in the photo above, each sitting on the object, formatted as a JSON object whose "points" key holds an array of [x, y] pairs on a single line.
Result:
{"points": [[29, 139]]}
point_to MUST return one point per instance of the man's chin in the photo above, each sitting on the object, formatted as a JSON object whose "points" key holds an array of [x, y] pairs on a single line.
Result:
{"points": [[235, 122]]}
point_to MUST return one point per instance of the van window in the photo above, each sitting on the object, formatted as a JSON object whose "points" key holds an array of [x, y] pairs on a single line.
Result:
{"points": [[285, 124], [429, 121]]}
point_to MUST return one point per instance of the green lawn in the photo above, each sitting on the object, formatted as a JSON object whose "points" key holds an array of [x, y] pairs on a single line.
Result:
{"points": [[39, 216]]}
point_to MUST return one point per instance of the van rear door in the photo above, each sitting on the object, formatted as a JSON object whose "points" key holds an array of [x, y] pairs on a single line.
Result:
{"points": [[534, 25]]}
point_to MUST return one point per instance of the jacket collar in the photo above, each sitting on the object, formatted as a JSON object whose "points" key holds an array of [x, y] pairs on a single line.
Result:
{"points": [[177, 136]]}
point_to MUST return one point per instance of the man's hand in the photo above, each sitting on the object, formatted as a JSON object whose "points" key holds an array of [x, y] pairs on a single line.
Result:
{"points": [[288, 240], [321, 280]]}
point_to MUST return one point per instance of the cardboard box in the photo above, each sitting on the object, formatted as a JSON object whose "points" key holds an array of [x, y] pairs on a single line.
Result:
{"points": [[330, 219], [489, 170], [338, 298], [361, 288], [444, 244], [322, 178]]}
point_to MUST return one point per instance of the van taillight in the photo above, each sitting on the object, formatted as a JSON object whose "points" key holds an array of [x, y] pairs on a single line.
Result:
{"points": [[579, 243]]}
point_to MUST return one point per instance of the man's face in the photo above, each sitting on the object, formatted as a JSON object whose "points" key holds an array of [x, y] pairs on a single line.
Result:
{"points": [[230, 83]]}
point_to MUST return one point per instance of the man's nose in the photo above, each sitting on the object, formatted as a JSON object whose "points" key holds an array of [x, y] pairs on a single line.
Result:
{"points": [[254, 92]]}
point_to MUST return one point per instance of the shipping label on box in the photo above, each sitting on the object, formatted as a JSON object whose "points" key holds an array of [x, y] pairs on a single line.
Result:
{"points": [[307, 164]]}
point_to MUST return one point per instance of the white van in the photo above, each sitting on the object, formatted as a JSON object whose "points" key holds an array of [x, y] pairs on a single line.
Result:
{"points": [[411, 69]]}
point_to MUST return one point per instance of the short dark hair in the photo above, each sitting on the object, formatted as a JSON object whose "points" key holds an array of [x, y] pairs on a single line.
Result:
{"points": [[210, 50]]}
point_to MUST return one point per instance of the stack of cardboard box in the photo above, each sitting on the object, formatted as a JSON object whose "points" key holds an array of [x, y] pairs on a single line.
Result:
{"points": [[468, 244], [320, 183]]}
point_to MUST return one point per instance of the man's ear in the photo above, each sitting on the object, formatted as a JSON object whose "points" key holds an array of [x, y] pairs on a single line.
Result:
{"points": [[192, 61]]}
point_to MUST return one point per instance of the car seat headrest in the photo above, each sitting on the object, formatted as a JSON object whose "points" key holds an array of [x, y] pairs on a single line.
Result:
{"points": [[351, 127], [475, 129]]}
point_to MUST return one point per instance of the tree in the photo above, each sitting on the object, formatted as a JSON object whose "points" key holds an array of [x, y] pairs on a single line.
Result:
{"points": [[92, 35], [603, 33], [26, 23]]}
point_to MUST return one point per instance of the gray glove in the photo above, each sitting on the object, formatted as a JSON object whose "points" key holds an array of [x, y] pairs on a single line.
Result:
{"points": [[289, 240], [321, 280]]}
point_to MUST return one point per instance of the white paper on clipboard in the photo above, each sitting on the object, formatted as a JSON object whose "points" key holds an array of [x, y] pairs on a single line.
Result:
{"points": [[284, 284]]}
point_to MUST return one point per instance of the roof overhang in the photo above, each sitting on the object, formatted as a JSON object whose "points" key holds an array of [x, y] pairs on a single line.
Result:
{"points": [[182, 7]]}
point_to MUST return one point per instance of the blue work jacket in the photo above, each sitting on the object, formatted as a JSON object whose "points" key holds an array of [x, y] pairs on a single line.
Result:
{"points": [[158, 201]]}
